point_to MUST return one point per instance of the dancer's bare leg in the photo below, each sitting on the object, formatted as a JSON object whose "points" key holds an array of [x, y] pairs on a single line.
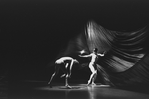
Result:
{"points": [[66, 74], [53, 75], [92, 75], [66, 81], [64, 69], [90, 80], [94, 78]]}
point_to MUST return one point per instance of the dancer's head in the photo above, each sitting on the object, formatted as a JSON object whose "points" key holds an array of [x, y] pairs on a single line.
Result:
{"points": [[95, 50]]}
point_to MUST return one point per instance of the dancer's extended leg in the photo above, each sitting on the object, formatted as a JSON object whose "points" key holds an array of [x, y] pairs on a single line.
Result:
{"points": [[66, 81], [94, 78], [54, 75], [93, 73], [66, 74]]}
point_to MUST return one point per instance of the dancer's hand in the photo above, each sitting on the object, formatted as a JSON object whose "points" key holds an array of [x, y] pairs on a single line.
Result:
{"points": [[82, 52], [80, 56]]}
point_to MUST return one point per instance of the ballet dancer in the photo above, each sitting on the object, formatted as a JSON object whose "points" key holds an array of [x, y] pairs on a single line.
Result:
{"points": [[92, 65], [65, 64]]}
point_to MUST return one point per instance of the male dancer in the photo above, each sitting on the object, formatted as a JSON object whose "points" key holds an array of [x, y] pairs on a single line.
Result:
{"points": [[92, 65], [65, 64]]}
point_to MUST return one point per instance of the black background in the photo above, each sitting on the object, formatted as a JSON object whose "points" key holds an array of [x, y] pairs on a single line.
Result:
{"points": [[33, 32]]}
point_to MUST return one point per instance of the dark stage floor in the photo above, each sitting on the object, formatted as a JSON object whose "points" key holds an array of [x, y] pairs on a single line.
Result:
{"points": [[40, 90]]}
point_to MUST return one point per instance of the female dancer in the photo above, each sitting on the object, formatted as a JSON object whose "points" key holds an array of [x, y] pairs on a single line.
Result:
{"points": [[92, 65]]}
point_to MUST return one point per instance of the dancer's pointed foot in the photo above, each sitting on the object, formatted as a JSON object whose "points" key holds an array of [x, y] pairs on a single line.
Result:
{"points": [[89, 84], [67, 86]]}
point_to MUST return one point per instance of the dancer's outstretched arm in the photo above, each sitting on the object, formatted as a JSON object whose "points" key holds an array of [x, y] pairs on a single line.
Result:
{"points": [[85, 55], [100, 54]]}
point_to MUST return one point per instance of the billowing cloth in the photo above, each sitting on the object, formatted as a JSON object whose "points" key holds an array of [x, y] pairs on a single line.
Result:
{"points": [[126, 61]]}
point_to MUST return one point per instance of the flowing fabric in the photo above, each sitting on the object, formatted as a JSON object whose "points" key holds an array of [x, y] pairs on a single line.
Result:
{"points": [[126, 60]]}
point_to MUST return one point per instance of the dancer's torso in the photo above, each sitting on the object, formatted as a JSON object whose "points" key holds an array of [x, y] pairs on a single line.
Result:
{"points": [[94, 58], [64, 61]]}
